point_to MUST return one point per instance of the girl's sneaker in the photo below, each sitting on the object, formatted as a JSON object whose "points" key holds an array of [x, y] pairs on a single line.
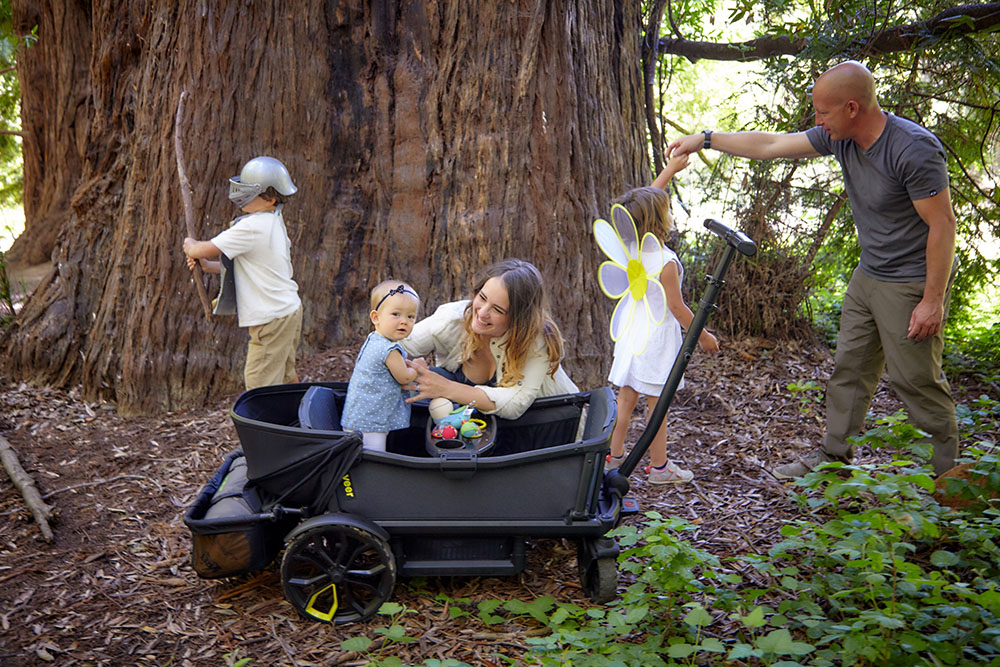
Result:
{"points": [[612, 462], [670, 473]]}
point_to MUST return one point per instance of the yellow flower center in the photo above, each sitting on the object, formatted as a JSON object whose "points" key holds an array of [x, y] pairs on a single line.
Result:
{"points": [[636, 278]]}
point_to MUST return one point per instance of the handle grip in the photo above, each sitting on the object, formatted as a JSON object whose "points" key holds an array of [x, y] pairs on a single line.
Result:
{"points": [[734, 237]]}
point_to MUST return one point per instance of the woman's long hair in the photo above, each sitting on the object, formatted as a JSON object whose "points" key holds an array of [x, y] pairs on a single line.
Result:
{"points": [[528, 315]]}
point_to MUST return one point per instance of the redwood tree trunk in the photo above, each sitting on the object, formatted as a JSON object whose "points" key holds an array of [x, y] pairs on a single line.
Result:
{"points": [[55, 116], [427, 140]]}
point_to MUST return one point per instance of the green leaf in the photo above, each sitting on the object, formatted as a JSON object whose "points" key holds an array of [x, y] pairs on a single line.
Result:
{"points": [[755, 618], [636, 614], [889, 621], [942, 558], [912, 642], [359, 644], [558, 617], [777, 641], [741, 651], [390, 608], [714, 645], [536, 609], [489, 605], [681, 650], [516, 606], [697, 616]]}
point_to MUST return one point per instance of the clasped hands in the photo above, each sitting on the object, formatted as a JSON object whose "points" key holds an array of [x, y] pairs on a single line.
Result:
{"points": [[427, 384]]}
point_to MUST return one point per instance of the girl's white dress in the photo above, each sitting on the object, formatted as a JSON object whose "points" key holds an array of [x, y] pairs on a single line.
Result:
{"points": [[647, 371]]}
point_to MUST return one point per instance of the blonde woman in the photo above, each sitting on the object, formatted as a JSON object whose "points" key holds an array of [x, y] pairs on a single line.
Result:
{"points": [[500, 349]]}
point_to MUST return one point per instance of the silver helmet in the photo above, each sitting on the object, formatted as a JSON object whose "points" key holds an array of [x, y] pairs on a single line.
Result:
{"points": [[258, 175]]}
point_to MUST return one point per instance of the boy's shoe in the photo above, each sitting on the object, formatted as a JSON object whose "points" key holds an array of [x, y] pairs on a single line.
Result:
{"points": [[803, 465], [612, 462], [670, 473]]}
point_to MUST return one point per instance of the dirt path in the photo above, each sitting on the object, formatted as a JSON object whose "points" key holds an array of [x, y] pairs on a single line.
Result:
{"points": [[116, 588]]}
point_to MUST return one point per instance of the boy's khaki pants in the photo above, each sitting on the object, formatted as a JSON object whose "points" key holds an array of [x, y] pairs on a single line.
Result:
{"points": [[271, 352], [873, 326]]}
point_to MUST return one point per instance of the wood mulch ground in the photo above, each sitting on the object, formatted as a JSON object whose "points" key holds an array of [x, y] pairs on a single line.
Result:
{"points": [[116, 586]]}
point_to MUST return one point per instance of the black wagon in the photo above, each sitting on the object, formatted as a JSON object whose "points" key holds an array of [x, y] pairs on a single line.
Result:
{"points": [[350, 521]]}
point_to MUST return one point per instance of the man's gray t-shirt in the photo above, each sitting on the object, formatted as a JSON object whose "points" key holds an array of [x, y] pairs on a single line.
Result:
{"points": [[905, 164]]}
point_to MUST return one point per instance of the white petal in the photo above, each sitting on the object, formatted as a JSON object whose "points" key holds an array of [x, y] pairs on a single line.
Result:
{"points": [[625, 227], [613, 279], [651, 255], [622, 316], [656, 301], [639, 331], [609, 242]]}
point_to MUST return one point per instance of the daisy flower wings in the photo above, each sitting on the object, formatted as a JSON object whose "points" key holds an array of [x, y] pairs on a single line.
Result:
{"points": [[631, 275]]}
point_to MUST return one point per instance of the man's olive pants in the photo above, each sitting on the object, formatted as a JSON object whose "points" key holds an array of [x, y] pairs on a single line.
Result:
{"points": [[873, 326]]}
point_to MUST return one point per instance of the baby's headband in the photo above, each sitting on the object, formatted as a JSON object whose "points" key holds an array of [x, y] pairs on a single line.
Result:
{"points": [[397, 290]]}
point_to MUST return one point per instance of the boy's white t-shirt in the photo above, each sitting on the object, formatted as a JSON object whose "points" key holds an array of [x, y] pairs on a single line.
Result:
{"points": [[259, 247]]}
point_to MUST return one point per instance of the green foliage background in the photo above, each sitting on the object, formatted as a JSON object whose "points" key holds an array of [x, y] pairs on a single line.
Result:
{"points": [[947, 83], [11, 179]]}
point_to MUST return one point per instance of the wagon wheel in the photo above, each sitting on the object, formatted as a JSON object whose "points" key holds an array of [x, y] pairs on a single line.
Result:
{"points": [[338, 573], [600, 580]]}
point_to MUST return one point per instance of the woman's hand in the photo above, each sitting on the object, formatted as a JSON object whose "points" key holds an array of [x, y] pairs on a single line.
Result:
{"points": [[427, 384], [431, 385]]}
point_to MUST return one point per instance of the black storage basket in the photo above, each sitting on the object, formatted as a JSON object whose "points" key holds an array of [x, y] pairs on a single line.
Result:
{"points": [[292, 465], [230, 534]]}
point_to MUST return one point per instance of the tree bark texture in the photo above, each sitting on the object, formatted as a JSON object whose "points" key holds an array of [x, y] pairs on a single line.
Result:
{"points": [[427, 140], [55, 117]]}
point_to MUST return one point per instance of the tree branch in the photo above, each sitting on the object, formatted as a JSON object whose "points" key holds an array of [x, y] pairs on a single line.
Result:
{"points": [[755, 49], [949, 24], [649, 59], [186, 200], [26, 485]]}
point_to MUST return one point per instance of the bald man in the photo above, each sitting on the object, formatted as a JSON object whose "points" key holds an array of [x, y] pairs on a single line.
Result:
{"points": [[896, 177]]}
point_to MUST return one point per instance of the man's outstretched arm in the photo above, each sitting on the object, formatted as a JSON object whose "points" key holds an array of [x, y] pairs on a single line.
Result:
{"points": [[753, 145]]}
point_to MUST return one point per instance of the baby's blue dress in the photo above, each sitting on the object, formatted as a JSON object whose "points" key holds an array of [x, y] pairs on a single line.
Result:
{"points": [[374, 399]]}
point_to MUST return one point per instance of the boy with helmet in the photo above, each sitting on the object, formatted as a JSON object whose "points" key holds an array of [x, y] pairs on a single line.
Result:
{"points": [[255, 253]]}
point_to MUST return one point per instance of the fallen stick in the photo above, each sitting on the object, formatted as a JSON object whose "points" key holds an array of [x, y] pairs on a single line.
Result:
{"points": [[26, 485], [97, 482]]}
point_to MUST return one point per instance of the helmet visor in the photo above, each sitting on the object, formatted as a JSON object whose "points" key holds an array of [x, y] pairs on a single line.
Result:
{"points": [[242, 194]]}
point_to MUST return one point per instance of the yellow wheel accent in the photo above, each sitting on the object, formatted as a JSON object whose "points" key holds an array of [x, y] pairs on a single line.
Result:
{"points": [[325, 616], [337, 573]]}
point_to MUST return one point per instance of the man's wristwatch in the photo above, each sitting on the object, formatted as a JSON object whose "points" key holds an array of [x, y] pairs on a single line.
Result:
{"points": [[708, 138]]}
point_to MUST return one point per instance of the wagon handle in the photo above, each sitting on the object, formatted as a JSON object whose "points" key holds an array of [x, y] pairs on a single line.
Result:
{"points": [[736, 241], [733, 237]]}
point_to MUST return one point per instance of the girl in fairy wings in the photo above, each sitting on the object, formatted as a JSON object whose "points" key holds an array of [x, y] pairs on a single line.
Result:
{"points": [[647, 321]]}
